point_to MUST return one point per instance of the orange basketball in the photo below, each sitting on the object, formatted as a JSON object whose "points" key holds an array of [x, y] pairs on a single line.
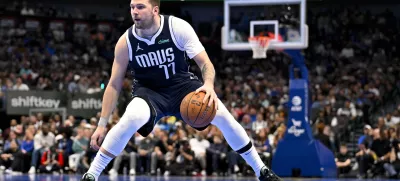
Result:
{"points": [[194, 112]]}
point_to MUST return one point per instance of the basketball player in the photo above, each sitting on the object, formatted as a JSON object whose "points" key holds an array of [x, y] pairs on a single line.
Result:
{"points": [[156, 49]]}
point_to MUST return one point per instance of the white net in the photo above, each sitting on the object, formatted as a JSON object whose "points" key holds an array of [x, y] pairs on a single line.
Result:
{"points": [[259, 45]]}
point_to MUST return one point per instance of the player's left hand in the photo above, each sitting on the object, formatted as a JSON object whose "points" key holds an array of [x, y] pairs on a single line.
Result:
{"points": [[210, 94]]}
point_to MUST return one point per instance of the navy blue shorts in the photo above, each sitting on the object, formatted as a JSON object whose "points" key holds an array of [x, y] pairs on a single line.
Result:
{"points": [[164, 102]]}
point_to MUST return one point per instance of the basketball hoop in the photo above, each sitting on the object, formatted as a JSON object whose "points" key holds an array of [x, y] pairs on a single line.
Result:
{"points": [[259, 45]]}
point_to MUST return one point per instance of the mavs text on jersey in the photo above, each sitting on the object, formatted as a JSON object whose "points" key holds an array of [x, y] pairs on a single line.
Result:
{"points": [[163, 60]]}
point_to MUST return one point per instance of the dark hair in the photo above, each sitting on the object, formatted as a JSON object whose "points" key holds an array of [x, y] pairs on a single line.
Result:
{"points": [[365, 143], [155, 2], [184, 142]]}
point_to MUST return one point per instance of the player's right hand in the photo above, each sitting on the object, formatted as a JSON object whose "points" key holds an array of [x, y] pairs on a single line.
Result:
{"points": [[97, 137]]}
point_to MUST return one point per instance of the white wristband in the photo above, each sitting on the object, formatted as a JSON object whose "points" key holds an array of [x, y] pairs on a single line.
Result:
{"points": [[103, 122]]}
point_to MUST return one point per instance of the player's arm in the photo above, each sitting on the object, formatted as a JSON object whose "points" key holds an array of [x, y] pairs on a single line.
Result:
{"points": [[114, 85], [113, 88], [206, 67], [188, 41]]}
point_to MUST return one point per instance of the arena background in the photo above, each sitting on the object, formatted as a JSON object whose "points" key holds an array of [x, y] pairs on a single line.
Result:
{"points": [[55, 60]]}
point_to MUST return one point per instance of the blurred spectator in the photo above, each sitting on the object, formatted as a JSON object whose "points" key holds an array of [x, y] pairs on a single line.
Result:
{"points": [[365, 158], [182, 160], [347, 52], [367, 136], [43, 141], [219, 151], [85, 161], [246, 122], [394, 119], [261, 143], [12, 137], [199, 145], [19, 85], [51, 161], [393, 165], [7, 157], [130, 153], [145, 149], [345, 115], [381, 147], [343, 161], [163, 147], [64, 144], [80, 141], [234, 160], [22, 158], [280, 133], [27, 11], [73, 85], [381, 124], [79, 148], [13, 126], [259, 124], [35, 122]]}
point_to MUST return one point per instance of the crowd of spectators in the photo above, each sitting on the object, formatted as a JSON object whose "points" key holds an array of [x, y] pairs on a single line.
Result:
{"points": [[353, 65]]}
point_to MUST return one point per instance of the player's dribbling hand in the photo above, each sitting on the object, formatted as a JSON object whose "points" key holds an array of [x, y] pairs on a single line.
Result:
{"points": [[97, 137], [210, 93]]}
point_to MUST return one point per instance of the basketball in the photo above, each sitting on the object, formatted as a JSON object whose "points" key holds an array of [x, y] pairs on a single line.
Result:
{"points": [[194, 112]]}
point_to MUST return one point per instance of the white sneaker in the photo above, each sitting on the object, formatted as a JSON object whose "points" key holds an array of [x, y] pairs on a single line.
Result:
{"points": [[132, 171], [203, 173], [166, 173], [16, 173], [236, 169], [32, 170], [113, 173], [8, 171]]}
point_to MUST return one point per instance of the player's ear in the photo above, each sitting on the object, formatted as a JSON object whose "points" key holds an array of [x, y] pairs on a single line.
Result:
{"points": [[156, 9]]}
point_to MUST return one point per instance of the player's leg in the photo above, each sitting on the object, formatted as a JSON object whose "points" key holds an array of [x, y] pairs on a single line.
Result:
{"points": [[239, 141], [233, 132], [136, 115]]}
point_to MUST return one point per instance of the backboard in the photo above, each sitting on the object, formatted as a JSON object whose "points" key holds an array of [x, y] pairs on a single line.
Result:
{"points": [[247, 18]]}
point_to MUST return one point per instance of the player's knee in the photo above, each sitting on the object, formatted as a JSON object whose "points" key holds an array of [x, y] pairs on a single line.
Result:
{"points": [[223, 117], [138, 111]]}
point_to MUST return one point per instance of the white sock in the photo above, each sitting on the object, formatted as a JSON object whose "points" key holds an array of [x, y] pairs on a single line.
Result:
{"points": [[253, 159], [237, 137], [136, 115], [233, 132], [99, 163]]}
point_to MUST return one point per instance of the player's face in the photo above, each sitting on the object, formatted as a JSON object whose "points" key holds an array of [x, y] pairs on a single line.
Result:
{"points": [[143, 13]]}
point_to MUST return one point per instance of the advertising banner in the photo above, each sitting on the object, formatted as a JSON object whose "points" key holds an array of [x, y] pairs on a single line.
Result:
{"points": [[299, 146], [19, 102], [84, 105], [80, 105], [298, 124]]}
